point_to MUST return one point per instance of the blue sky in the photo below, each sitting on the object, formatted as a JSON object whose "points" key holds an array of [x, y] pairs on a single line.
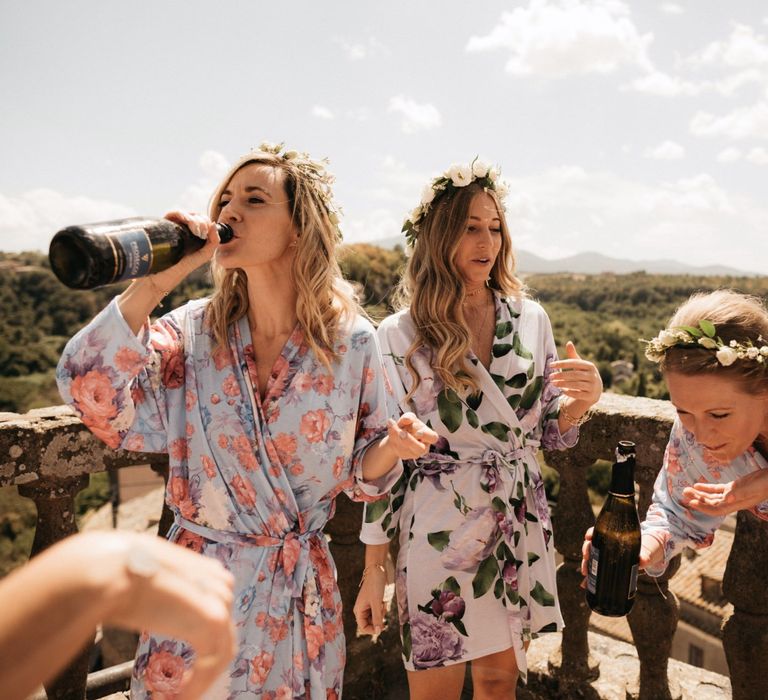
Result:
{"points": [[638, 128]]}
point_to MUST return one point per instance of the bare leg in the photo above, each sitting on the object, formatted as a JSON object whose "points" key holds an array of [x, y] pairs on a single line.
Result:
{"points": [[444, 683], [494, 677]]}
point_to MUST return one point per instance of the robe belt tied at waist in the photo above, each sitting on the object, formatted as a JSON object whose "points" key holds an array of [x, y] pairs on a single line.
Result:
{"points": [[489, 457], [294, 547]]}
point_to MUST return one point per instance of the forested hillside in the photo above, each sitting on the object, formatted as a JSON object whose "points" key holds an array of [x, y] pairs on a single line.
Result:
{"points": [[603, 314]]}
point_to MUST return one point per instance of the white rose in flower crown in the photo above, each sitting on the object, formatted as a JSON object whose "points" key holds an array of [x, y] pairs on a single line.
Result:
{"points": [[668, 338], [502, 189], [726, 356], [493, 173], [764, 351], [752, 353], [416, 213], [479, 169], [460, 175], [427, 195]]}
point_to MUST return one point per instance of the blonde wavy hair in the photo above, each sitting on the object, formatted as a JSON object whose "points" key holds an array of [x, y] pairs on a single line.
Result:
{"points": [[325, 300], [434, 290], [736, 316]]}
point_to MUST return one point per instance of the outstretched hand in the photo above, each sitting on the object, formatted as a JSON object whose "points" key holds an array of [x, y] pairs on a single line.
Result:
{"points": [[651, 552], [409, 437], [576, 377], [722, 499]]}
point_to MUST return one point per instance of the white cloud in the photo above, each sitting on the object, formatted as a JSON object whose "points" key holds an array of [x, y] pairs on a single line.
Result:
{"points": [[664, 85], [360, 50], [741, 123], [213, 166], [321, 112], [729, 155], [672, 8], [758, 156], [668, 150], [28, 221], [373, 226], [556, 38], [691, 219], [416, 116], [744, 48]]}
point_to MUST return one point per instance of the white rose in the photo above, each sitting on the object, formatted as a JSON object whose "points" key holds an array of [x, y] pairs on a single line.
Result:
{"points": [[708, 343], [752, 353], [733, 343], [502, 189], [764, 351], [667, 338], [460, 175], [427, 195], [726, 356], [480, 169], [416, 213], [493, 173]]}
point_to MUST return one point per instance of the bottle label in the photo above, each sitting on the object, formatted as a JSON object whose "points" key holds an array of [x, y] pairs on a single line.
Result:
{"points": [[633, 582], [136, 251], [592, 567]]}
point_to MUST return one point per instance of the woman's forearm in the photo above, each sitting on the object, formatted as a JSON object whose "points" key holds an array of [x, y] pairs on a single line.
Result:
{"points": [[379, 459]]}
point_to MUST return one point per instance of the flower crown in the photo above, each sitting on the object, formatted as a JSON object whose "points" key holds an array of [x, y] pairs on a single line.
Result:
{"points": [[456, 176], [704, 335], [315, 172]]}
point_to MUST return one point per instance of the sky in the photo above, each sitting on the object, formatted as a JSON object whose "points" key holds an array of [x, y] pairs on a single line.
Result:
{"points": [[635, 128]]}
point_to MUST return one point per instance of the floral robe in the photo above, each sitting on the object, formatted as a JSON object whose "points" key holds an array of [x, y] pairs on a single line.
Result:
{"points": [[476, 570], [685, 463], [252, 482]]}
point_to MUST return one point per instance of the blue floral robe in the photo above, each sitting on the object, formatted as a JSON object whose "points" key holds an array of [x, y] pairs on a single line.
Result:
{"points": [[686, 462], [252, 483], [476, 569]]}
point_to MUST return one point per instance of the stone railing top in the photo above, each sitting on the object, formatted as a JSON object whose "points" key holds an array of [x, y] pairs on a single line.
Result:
{"points": [[50, 444]]}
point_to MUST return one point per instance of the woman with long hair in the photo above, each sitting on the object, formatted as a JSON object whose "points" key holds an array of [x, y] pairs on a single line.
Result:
{"points": [[474, 358], [270, 399]]}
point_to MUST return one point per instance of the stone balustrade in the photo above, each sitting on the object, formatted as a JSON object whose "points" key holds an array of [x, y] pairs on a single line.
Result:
{"points": [[48, 454]]}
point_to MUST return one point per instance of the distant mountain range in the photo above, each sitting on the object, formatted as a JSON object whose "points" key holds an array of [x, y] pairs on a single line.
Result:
{"points": [[594, 263]]}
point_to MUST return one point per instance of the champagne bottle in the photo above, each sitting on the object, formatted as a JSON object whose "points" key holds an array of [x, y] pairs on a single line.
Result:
{"points": [[92, 255], [615, 553]]}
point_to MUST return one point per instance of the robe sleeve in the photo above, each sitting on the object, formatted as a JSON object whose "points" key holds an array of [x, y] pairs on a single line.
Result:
{"points": [[117, 381], [670, 522], [551, 396], [376, 406]]}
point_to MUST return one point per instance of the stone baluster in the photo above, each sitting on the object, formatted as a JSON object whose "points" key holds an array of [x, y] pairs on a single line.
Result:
{"points": [[571, 519], [745, 633], [655, 614], [55, 501]]}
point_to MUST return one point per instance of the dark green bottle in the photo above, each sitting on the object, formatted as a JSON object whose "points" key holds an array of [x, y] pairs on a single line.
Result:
{"points": [[615, 553], [92, 255]]}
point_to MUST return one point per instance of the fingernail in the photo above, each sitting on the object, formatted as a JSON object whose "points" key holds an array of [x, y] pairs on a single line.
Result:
{"points": [[403, 435]]}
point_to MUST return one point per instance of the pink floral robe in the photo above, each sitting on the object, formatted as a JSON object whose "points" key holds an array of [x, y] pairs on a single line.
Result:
{"points": [[251, 483]]}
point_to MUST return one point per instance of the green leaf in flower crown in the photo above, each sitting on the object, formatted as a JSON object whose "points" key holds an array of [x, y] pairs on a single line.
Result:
{"points": [[695, 332], [375, 509], [532, 393], [501, 349], [503, 329], [486, 573], [518, 381], [542, 596], [450, 409], [708, 327], [439, 540], [520, 349], [497, 429]]}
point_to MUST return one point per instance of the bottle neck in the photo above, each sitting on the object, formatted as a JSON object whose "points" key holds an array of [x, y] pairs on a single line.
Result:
{"points": [[623, 478]]}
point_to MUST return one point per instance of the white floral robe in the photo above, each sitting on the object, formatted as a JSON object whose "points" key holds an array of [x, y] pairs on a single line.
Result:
{"points": [[252, 482], [476, 569], [686, 462]]}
